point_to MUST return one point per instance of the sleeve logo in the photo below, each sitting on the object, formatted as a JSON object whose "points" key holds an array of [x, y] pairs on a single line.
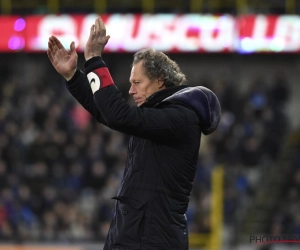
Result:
{"points": [[94, 81]]}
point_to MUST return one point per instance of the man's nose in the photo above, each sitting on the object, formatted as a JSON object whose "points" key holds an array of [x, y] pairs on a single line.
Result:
{"points": [[132, 90]]}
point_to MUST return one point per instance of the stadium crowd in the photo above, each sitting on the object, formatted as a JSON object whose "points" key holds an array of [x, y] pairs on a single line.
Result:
{"points": [[59, 168], [286, 218]]}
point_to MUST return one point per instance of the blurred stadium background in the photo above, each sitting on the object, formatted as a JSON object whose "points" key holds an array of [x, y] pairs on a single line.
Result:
{"points": [[59, 168]]}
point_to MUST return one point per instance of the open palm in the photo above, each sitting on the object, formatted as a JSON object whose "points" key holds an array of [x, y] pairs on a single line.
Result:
{"points": [[97, 40], [64, 61]]}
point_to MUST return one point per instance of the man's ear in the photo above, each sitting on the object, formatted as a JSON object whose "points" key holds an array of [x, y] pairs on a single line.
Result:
{"points": [[161, 83]]}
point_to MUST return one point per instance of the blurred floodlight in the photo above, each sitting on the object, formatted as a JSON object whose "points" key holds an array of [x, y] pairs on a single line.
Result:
{"points": [[247, 45], [16, 43], [19, 24], [277, 45]]}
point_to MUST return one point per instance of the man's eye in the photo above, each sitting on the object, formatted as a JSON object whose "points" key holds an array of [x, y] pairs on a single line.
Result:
{"points": [[136, 82]]}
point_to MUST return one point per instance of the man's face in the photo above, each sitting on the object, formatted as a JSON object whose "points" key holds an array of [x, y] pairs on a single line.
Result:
{"points": [[141, 86]]}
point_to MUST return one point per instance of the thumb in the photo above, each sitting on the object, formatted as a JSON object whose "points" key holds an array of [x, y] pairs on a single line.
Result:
{"points": [[72, 47], [107, 38]]}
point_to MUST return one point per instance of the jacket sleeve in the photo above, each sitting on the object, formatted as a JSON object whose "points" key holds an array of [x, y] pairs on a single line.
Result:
{"points": [[149, 123], [79, 87]]}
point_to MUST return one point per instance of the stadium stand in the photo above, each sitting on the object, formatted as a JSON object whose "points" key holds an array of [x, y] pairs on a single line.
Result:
{"points": [[59, 168]]}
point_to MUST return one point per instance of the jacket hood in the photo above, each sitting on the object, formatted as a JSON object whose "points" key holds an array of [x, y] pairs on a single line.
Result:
{"points": [[204, 102]]}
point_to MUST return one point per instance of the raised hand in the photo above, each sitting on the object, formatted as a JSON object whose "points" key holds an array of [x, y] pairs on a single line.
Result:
{"points": [[97, 40], [64, 61]]}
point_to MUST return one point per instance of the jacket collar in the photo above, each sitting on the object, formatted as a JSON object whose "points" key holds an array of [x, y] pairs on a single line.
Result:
{"points": [[159, 96]]}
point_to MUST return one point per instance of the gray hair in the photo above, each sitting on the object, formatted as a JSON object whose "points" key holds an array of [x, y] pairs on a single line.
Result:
{"points": [[159, 65]]}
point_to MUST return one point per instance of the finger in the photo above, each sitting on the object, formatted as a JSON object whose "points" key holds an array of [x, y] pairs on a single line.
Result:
{"points": [[52, 41], [52, 45], [101, 24], [50, 56], [92, 30], [51, 48], [97, 26], [100, 27], [56, 42], [72, 47]]}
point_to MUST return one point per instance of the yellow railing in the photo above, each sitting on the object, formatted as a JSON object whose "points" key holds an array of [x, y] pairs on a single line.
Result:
{"points": [[212, 240], [145, 6]]}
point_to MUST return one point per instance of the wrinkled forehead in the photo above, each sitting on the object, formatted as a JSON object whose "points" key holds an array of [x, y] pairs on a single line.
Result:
{"points": [[137, 71]]}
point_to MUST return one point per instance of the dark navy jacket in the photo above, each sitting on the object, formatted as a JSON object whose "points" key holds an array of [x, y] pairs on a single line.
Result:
{"points": [[162, 156]]}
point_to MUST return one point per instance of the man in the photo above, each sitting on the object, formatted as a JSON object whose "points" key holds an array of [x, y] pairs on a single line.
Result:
{"points": [[165, 129]]}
